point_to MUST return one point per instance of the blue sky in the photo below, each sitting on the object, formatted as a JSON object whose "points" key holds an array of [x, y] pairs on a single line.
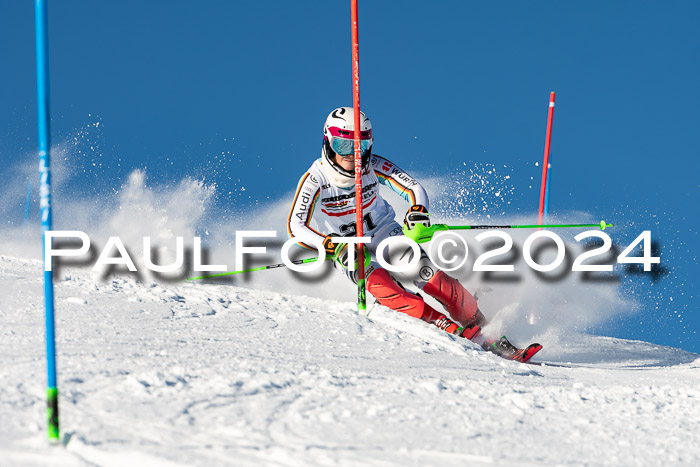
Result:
{"points": [[176, 85]]}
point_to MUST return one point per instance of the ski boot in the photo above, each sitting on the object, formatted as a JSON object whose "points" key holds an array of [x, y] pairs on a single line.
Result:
{"points": [[449, 326], [503, 348]]}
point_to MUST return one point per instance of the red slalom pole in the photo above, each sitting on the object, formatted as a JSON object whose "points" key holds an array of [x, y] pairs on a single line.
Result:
{"points": [[361, 300], [544, 198], [544, 190]]}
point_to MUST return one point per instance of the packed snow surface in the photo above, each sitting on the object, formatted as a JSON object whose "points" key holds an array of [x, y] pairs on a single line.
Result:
{"points": [[207, 374]]}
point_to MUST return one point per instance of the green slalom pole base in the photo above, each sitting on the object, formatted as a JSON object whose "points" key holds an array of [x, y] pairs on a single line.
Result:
{"points": [[361, 297], [52, 415]]}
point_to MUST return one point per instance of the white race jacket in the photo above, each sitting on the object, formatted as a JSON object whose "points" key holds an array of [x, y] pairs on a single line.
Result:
{"points": [[333, 208]]}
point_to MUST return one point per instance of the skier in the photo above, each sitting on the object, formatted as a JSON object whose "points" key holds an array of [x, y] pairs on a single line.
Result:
{"points": [[329, 185]]}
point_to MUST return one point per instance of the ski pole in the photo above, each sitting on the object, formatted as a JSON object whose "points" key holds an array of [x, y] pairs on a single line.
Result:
{"points": [[603, 225], [421, 234], [261, 268]]}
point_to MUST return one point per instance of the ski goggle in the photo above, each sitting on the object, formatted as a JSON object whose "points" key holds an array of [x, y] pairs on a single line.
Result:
{"points": [[343, 141]]}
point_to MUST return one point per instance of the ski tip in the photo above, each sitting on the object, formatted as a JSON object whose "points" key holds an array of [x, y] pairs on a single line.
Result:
{"points": [[524, 355]]}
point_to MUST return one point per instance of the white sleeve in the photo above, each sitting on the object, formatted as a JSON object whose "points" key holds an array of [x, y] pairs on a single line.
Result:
{"points": [[399, 181], [303, 208]]}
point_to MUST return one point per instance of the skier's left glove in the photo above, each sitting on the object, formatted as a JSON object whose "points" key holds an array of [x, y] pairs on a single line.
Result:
{"points": [[416, 214], [416, 225]]}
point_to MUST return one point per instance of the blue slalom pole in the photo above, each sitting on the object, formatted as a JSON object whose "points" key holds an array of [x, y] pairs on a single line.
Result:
{"points": [[42, 97]]}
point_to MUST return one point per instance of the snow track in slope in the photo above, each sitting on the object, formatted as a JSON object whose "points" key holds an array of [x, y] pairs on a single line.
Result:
{"points": [[203, 374]]}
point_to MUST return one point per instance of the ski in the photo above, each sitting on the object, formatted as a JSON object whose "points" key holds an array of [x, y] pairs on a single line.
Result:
{"points": [[524, 355], [501, 346]]}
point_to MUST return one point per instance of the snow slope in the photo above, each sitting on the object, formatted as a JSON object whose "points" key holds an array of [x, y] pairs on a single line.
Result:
{"points": [[206, 374]]}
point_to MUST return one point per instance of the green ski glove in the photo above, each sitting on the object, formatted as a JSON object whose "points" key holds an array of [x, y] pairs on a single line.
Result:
{"points": [[421, 234]]}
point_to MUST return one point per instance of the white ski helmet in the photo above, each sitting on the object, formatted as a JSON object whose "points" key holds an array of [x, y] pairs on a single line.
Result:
{"points": [[339, 138]]}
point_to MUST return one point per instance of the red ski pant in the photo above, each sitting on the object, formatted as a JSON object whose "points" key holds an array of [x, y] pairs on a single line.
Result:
{"points": [[459, 303], [390, 294]]}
